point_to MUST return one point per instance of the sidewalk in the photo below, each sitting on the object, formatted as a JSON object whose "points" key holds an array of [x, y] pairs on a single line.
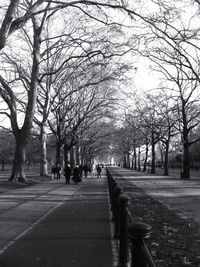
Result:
{"points": [[56, 225]]}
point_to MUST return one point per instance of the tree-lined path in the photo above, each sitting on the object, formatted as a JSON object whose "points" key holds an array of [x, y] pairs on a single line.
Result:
{"points": [[53, 224]]}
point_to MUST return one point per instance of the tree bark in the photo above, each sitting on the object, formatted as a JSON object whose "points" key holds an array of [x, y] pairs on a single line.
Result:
{"points": [[146, 157], [139, 166], [18, 162], [128, 160], [43, 151], [66, 149], [58, 152], [185, 173], [153, 167], [72, 161], [22, 135], [135, 158], [8, 19], [77, 155], [166, 169], [186, 162]]}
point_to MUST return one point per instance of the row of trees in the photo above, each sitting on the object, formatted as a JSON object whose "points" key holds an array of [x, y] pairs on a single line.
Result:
{"points": [[61, 67], [167, 116]]}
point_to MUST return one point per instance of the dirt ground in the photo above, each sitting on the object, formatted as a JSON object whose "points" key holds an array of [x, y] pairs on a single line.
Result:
{"points": [[174, 241], [32, 176]]}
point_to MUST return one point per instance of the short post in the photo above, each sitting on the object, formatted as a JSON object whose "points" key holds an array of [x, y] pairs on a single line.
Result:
{"points": [[111, 181], [137, 232], [123, 260], [114, 184], [117, 193]]}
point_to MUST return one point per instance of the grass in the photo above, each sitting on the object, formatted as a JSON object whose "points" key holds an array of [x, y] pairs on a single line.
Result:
{"points": [[175, 240]]}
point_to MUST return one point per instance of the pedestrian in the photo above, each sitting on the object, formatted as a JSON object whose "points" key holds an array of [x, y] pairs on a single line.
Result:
{"points": [[67, 173], [98, 168], [53, 171], [93, 169], [58, 170], [90, 169], [76, 175], [85, 169], [81, 170]]}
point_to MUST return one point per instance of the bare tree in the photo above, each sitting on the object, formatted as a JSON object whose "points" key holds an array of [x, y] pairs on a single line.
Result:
{"points": [[37, 11], [22, 133]]}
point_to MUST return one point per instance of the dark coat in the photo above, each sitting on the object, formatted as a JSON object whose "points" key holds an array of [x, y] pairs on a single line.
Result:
{"points": [[67, 171], [98, 169], [76, 175], [54, 169]]}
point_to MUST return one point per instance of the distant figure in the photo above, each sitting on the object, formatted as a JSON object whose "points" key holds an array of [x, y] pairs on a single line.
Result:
{"points": [[85, 169], [81, 170], [93, 170], [76, 175], [58, 169], [53, 171], [98, 168], [90, 169], [67, 173]]}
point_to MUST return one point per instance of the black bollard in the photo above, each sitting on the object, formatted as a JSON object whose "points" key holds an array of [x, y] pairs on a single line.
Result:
{"points": [[137, 233], [123, 260], [111, 181], [114, 201], [114, 184], [117, 193]]}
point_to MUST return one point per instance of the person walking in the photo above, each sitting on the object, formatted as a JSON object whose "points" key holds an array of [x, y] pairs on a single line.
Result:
{"points": [[81, 170], [85, 169], [53, 171], [67, 173], [98, 168], [58, 169], [76, 175]]}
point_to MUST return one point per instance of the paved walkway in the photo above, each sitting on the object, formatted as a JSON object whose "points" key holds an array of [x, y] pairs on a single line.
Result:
{"points": [[56, 225]]}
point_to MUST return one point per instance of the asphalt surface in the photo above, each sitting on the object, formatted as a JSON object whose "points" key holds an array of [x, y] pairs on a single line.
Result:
{"points": [[52, 224]]}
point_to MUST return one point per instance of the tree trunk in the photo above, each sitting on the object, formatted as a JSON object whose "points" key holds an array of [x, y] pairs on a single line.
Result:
{"points": [[7, 22], [58, 152], [153, 167], [186, 162], [22, 134], [66, 154], [132, 162], [146, 157], [72, 161], [28, 165], [135, 158], [77, 155], [43, 151], [161, 158], [139, 167], [124, 161], [166, 169], [18, 163]]}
